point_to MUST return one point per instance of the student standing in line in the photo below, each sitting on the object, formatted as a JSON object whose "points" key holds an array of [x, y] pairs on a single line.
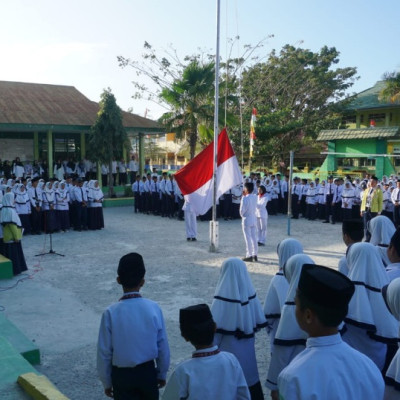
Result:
{"points": [[248, 213], [328, 368], [132, 335]]}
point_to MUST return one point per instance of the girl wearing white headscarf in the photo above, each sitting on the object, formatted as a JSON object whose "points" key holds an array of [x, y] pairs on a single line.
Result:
{"points": [[48, 205], [381, 229], [238, 314], [95, 206], [262, 215], [12, 234], [370, 326], [278, 288], [62, 206], [290, 340], [23, 207], [392, 297]]}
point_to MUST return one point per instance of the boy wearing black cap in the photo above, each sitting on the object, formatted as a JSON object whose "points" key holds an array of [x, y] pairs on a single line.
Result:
{"points": [[328, 368], [132, 335], [210, 373]]}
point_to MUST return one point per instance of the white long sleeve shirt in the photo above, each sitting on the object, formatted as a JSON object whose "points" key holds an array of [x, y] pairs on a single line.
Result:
{"points": [[132, 332]]}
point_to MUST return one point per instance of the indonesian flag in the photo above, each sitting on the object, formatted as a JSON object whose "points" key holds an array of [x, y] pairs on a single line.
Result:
{"points": [[196, 179]]}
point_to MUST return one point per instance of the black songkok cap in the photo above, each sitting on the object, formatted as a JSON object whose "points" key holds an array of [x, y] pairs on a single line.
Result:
{"points": [[35, 179], [195, 315], [395, 240], [352, 225], [131, 269], [325, 287]]}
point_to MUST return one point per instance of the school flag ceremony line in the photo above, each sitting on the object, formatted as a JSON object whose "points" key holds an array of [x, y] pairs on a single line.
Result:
{"points": [[196, 180]]}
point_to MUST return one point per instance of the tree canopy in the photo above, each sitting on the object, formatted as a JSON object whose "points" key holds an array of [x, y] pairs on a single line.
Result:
{"points": [[391, 92], [108, 136], [296, 94]]}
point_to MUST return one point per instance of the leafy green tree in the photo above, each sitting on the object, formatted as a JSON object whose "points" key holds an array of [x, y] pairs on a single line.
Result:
{"points": [[391, 92], [108, 136], [296, 93]]}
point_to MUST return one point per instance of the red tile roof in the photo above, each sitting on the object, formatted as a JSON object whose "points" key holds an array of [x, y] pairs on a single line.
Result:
{"points": [[42, 104]]}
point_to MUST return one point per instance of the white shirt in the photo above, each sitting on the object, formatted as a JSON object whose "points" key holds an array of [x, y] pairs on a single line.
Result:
{"points": [[216, 376], [261, 208], [329, 369], [247, 210], [132, 332]]}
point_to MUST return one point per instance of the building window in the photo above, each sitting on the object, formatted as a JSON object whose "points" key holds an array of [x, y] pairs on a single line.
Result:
{"points": [[377, 117], [348, 119]]}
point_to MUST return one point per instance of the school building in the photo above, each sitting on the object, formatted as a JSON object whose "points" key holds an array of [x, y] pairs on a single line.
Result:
{"points": [[368, 140], [48, 122]]}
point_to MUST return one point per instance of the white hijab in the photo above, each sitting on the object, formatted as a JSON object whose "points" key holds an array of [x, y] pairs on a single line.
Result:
{"points": [[367, 308], [393, 301], [49, 192], [289, 332], [236, 309], [95, 192], [8, 215], [381, 229], [278, 288]]}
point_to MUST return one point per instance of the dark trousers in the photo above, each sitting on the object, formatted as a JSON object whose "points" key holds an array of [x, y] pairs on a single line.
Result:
{"points": [[137, 201], [367, 216], [295, 206], [36, 220], [328, 206], [139, 383], [104, 178], [80, 216], [227, 206], [347, 213], [396, 216], [311, 211]]}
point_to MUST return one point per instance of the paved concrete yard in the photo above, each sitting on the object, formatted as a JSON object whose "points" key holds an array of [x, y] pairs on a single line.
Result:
{"points": [[60, 307]]}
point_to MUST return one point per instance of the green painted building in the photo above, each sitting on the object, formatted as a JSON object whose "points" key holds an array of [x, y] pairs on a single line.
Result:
{"points": [[368, 140]]}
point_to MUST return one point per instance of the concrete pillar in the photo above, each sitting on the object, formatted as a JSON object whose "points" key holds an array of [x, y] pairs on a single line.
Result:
{"points": [[331, 159], [387, 119], [380, 161], [98, 173], [358, 121], [83, 146], [141, 154], [50, 152], [35, 145]]}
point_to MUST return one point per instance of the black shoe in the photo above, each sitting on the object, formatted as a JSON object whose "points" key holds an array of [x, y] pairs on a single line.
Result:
{"points": [[194, 239], [255, 259], [261, 244], [188, 239], [247, 259], [325, 222]]}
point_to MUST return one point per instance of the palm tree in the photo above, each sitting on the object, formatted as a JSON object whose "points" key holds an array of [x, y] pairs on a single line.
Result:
{"points": [[391, 92], [191, 100]]}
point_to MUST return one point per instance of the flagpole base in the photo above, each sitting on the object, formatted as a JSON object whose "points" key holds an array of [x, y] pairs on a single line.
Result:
{"points": [[213, 236]]}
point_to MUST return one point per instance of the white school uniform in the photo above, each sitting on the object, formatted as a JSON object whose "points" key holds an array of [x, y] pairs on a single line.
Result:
{"points": [[132, 332], [262, 218], [216, 376], [247, 211], [290, 339], [392, 389], [190, 220], [238, 314], [369, 323], [279, 286], [329, 369]]}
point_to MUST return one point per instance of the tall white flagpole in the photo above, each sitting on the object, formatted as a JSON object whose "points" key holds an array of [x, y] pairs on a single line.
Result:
{"points": [[214, 223]]}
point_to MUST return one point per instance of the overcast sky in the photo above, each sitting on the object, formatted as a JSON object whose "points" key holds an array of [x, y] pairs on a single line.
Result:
{"points": [[76, 42]]}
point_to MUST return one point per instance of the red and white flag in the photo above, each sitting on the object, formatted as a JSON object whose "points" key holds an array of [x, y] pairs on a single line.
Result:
{"points": [[196, 179]]}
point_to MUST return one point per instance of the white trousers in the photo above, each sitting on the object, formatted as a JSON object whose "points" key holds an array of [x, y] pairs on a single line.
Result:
{"points": [[262, 229], [190, 224], [250, 237]]}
